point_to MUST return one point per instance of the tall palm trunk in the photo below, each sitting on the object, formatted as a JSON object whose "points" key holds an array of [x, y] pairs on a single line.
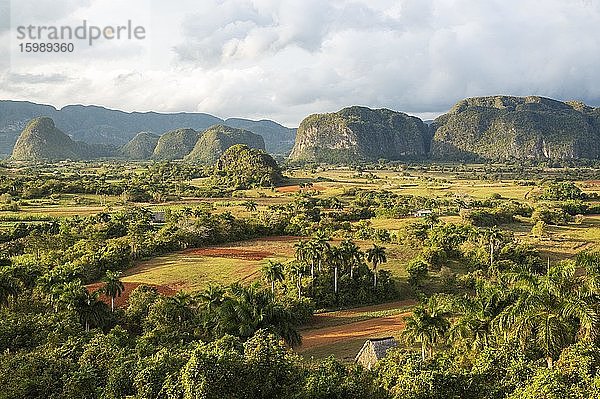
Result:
{"points": [[374, 274], [335, 279]]}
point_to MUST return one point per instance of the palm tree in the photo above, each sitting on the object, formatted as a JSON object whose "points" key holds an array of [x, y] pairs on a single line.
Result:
{"points": [[249, 309], [321, 246], [495, 238], [86, 304], [10, 287], [181, 306], [427, 325], [297, 268], [315, 255], [113, 286], [302, 251], [551, 310], [90, 309], [352, 255], [431, 219], [335, 258], [212, 297], [376, 255], [250, 206], [474, 325], [273, 271]]}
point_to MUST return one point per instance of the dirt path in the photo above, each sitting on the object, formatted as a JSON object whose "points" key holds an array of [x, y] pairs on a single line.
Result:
{"points": [[374, 327]]}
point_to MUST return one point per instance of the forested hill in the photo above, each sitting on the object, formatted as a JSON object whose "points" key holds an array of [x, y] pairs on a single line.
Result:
{"points": [[359, 134], [505, 128]]}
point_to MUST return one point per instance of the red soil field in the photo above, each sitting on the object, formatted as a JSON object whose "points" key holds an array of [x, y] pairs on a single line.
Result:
{"points": [[121, 301], [370, 328], [231, 253], [361, 329], [296, 188]]}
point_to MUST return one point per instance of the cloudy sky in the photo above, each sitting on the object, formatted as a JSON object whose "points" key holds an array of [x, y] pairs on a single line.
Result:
{"points": [[285, 59]]}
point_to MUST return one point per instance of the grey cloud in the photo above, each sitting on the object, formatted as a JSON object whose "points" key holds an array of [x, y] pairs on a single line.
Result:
{"points": [[284, 59], [28, 78]]}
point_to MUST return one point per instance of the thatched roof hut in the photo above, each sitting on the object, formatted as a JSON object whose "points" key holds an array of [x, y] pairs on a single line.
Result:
{"points": [[374, 350]]}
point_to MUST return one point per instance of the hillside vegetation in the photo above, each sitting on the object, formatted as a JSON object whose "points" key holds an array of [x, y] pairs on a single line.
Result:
{"points": [[214, 141], [241, 167], [360, 133], [41, 140], [141, 146], [175, 144], [502, 128]]}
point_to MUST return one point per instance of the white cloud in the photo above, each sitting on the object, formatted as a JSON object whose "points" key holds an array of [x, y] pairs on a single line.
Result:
{"points": [[285, 59]]}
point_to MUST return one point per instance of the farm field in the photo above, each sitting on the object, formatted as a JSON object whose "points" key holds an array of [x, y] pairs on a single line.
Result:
{"points": [[195, 269], [342, 333], [338, 333]]}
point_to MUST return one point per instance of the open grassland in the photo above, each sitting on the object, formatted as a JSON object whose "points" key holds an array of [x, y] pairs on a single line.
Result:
{"points": [[195, 269]]}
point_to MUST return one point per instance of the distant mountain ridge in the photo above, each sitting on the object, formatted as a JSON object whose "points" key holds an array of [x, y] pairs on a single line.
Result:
{"points": [[497, 128], [95, 124], [41, 140]]}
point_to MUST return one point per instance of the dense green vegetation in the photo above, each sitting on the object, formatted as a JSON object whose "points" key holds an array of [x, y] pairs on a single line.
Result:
{"points": [[241, 167], [494, 308], [175, 144]]}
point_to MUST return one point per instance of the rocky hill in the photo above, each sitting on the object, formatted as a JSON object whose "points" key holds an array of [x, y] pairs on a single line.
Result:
{"points": [[359, 133], [94, 124], [140, 147], [175, 144], [41, 140], [503, 128], [214, 141]]}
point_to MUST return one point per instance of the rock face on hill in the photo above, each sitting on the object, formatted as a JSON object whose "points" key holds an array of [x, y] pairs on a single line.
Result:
{"points": [[175, 144], [214, 141], [359, 133], [140, 147], [504, 128], [40, 140]]}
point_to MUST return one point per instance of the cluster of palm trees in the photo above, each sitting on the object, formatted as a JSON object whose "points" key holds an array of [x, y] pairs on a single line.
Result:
{"points": [[312, 255], [237, 310], [75, 297], [548, 311]]}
